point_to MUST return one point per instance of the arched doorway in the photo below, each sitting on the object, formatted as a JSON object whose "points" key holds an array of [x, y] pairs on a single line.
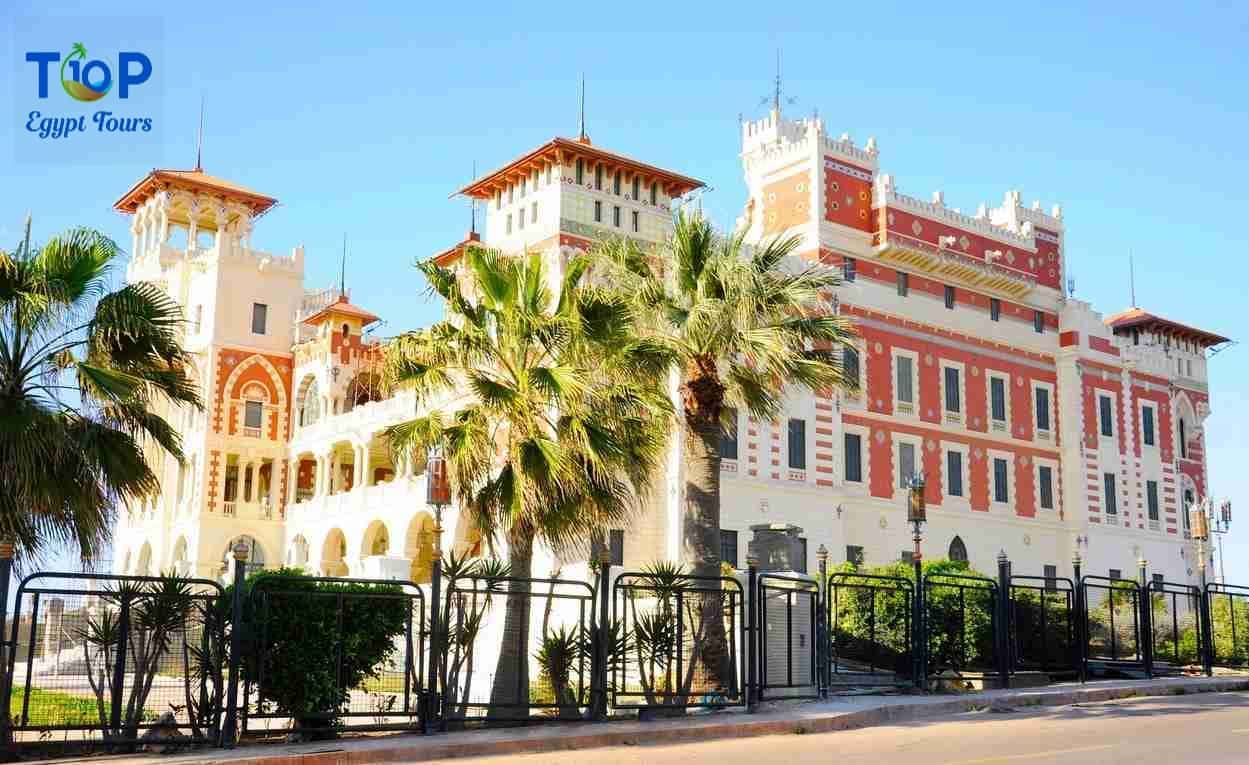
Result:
{"points": [[333, 553], [376, 540], [256, 558], [144, 567], [298, 555], [419, 547], [180, 563], [958, 550]]}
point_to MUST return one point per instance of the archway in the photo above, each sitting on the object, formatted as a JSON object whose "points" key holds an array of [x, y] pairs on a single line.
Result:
{"points": [[958, 550], [298, 555], [144, 566], [363, 388], [376, 540], [308, 401], [333, 552], [256, 557], [179, 561], [419, 547]]}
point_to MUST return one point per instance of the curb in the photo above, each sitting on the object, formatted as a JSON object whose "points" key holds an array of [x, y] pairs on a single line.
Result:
{"points": [[428, 750]]}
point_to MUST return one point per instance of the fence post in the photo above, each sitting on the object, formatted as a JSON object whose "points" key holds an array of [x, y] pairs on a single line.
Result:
{"points": [[8, 651], [229, 730], [752, 629], [823, 648], [1081, 645], [432, 713], [604, 633], [1002, 628], [919, 637], [1146, 617], [1206, 617]]}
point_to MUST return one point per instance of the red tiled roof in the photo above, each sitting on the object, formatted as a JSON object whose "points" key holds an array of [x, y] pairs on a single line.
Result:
{"points": [[341, 307], [557, 148], [1136, 318], [194, 180]]}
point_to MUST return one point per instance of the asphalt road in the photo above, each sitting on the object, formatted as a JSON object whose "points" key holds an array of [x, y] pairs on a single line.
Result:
{"points": [[1198, 729]]}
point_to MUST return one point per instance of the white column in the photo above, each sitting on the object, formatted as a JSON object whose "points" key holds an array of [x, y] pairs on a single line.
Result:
{"points": [[320, 483], [292, 480], [221, 477], [275, 475]]}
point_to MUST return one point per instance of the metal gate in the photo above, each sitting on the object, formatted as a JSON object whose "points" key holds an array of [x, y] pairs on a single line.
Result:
{"points": [[1042, 623], [1112, 625], [789, 609], [679, 641], [516, 648], [870, 630], [116, 659], [346, 678], [1174, 626], [1228, 608], [960, 623]]}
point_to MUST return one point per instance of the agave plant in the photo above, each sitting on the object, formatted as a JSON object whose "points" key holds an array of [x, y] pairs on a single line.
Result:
{"points": [[560, 651], [462, 613]]}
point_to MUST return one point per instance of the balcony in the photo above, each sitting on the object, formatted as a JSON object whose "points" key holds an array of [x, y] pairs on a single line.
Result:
{"points": [[401, 491], [952, 265], [367, 418], [253, 511]]}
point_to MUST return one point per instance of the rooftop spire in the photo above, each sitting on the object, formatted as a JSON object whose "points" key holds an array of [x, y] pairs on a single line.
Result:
{"points": [[342, 273], [472, 227], [581, 136], [1131, 280], [199, 139], [776, 96]]}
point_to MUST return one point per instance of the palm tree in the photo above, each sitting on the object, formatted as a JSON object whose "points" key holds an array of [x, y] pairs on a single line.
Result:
{"points": [[82, 369], [550, 413], [744, 328]]}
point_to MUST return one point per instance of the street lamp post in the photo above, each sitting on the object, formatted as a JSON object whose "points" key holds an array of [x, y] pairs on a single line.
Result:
{"points": [[917, 516], [822, 621], [1200, 525], [1222, 524], [437, 496], [1076, 564]]}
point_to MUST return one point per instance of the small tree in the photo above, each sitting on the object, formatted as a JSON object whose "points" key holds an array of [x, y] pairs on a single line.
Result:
{"points": [[305, 657]]}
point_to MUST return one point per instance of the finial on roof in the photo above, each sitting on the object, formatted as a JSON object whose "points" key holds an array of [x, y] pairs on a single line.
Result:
{"points": [[776, 95], [342, 273], [199, 139], [581, 135], [1131, 280], [472, 226]]}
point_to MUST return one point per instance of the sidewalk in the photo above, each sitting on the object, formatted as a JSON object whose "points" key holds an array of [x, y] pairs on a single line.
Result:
{"points": [[778, 718]]}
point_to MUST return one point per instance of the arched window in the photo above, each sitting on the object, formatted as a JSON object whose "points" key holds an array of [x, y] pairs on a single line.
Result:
{"points": [[958, 550], [308, 402]]}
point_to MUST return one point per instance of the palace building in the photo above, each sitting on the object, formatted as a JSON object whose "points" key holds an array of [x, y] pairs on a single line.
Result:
{"points": [[1042, 427]]}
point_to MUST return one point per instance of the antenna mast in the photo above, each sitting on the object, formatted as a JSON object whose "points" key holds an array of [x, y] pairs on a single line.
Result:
{"points": [[199, 139], [342, 274], [581, 132], [1131, 280]]}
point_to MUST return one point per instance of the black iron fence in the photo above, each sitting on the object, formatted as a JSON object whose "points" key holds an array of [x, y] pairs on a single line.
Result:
{"points": [[870, 630], [115, 662]]}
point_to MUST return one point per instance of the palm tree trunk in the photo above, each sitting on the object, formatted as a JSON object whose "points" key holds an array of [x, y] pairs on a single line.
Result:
{"points": [[701, 543], [511, 676]]}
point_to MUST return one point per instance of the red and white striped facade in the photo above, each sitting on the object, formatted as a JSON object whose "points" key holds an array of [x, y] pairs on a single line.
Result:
{"points": [[963, 328]]}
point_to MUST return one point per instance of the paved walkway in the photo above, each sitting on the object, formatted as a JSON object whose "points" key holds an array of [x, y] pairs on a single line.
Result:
{"points": [[841, 713]]}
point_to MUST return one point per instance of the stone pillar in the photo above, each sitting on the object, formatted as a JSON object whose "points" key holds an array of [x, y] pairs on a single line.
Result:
{"points": [[292, 480], [192, 230], [274, 477], [778, 547]]}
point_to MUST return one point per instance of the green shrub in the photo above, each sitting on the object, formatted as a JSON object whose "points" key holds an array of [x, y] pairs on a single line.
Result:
{"points": [[294, 638]]}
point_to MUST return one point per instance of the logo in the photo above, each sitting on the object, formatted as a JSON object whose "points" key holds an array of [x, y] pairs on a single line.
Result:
{"points": [[91, 79], [88, 80]]}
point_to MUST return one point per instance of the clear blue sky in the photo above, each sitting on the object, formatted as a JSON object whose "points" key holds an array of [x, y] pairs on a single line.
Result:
{"points": [[364, 117]]}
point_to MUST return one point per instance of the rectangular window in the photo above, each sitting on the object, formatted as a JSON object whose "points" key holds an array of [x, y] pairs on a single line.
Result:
{"points": [[253, 414], [637, 187], [904, 284], [906, 464], [997, 396], [654, 192], [905, 391], [1183, 441], [1147, 425], [1108, 490], [954, 473], [580, 171], [1051, 578], [1105, 413], [1000, 492], [1116, 573], [615, 542], [949, 297], [728, 438], [520, 219], [598, 212], [509, 223], [854, 554], [849, 269], [995, 309], [1042, 409], [636, 221], [615, 216], [533, 213], [798, 444], [615, 184], [1045, 486], [850, 363], [260, 318], [728, 547], [1151, 499], [854, 457], [598, 177], [953, 401], [1038, 321]]}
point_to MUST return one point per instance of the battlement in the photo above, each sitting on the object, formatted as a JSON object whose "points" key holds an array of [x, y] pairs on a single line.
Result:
{"points": [[1013, 215], [775, 137], [885, 194]]}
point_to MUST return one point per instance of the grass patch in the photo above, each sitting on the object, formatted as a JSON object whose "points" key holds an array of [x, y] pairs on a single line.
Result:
{"points": [[48, 708]]}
